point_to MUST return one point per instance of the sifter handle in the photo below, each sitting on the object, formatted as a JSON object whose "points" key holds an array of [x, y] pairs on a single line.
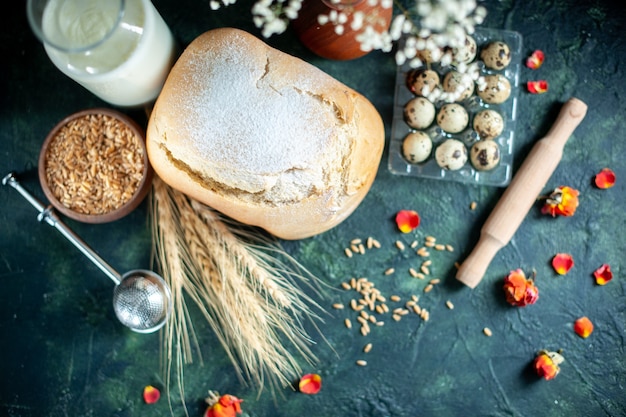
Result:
{"points": [[48, 215], [521, 194]]}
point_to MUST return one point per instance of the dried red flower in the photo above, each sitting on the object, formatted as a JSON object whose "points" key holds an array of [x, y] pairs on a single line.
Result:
{"points": [[535, 60], [226, 406], [407, 220], [605, 178], [519, 290], [310, 384], [547, 363], [537, 87], [603, 274], [583, 327], [151, 394], [562, 263], [563, 201]]}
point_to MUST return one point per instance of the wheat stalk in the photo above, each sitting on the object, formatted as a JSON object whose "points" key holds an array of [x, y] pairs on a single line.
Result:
{"points": [[244, 285]]}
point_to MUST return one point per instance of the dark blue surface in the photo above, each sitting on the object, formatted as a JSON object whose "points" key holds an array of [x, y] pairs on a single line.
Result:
{"points": [[64, 353]]}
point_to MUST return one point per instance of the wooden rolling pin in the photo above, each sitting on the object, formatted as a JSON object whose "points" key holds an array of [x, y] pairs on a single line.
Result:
{"points": [[521, 194]]}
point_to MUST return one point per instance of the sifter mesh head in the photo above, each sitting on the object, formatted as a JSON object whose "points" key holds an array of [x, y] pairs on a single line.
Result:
{"points": [[142, 301]]}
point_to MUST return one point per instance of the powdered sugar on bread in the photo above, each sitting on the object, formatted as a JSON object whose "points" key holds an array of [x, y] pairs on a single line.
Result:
{"points": [[248, 130]]}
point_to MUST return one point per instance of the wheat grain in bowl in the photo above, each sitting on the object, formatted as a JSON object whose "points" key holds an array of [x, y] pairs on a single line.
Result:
{"points": [[93, 166]]}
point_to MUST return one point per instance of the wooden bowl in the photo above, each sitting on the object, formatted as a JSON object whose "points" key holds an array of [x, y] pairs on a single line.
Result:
{"points": [[94, 167]]}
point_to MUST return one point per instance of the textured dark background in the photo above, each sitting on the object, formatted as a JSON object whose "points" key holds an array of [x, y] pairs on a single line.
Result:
{"points": [[64, 354]]}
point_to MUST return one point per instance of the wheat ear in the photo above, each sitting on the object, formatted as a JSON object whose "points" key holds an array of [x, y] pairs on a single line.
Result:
{"points": [[247, 294]]}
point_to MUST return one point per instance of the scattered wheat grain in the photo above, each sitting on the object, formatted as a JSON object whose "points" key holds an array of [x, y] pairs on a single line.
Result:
{"points": [[487, 331]]}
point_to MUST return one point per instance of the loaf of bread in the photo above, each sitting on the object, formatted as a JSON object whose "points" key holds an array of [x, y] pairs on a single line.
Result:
{"points": [[263, 137]]}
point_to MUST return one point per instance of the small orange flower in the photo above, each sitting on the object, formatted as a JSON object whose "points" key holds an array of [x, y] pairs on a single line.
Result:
{"points": [[605, 178], [583, 327], [562, 263], [563, 201], [151, 394], [407, 220], [537, 87], [225, 406], [603, 274], [546, 364], [535, 60], [310, 384], [519, 290]]}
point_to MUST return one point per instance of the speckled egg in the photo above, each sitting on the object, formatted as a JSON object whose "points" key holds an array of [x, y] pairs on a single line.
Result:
{"points": [[496, 55], [451, 155], [452, 118], [429, 53], [422, 81], [496, 89], [419, 113], [488, 123], [465, 53], [417, 147], [485, 155], [461, 85]]}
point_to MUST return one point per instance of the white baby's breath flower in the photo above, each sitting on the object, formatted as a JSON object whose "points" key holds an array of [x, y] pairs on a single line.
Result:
{"points": [[446, 60], [396, 26], [323, 19], [400, 58], [357, 20]]}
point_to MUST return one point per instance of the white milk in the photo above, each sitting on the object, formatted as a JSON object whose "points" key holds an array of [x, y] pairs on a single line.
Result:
{"points": [[128, 67]]}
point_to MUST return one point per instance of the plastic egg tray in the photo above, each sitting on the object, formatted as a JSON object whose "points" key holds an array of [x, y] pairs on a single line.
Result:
{"points": [[498, 176]]}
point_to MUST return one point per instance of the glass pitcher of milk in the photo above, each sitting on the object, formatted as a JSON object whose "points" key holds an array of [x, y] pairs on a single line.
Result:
{"points": [[120, 50]]}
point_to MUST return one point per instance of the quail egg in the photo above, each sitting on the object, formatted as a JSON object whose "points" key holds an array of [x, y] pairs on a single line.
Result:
{"points": [[496, 55], [452, 118], [495, 89], [488, 123], [485, 155], [416, 147], [465, 53], [419, 113], [422, 81], [458, 84], [429, 53], [451, 155]]}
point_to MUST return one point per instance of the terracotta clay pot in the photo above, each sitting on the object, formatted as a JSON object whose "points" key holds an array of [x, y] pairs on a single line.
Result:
{"points": [[323, 40]]}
